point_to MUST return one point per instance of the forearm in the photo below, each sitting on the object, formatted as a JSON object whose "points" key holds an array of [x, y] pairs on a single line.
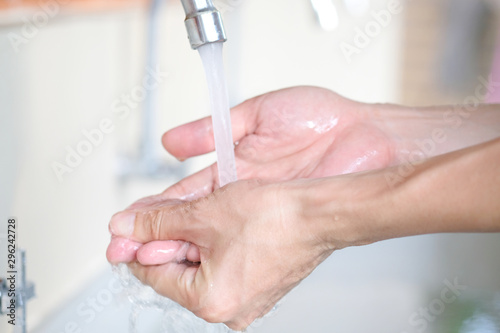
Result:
{"points": [[420, 133], [456, 192]]}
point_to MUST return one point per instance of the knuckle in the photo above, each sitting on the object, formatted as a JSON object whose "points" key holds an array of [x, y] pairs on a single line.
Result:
{"points": [[154, 223]]}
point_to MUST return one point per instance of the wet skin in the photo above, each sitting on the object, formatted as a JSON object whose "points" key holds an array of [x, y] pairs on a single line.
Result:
{"points": [[295, 133], [249, 243]]}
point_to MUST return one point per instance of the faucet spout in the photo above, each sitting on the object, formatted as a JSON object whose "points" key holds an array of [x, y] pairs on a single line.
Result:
{"points": [[203, 23]]}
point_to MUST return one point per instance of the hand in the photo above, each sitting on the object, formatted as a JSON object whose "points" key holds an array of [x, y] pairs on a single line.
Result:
{"points": [[302, 132], [293, 133], [251, 252], [255, 250], [215, 230]]}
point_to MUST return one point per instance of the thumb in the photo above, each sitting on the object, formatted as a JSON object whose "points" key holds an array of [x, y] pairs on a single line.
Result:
{"points": [[197, 138], [163, 221]]}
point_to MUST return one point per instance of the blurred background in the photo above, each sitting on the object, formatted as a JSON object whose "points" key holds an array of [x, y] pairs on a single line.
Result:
{"points": [[80, 139]]}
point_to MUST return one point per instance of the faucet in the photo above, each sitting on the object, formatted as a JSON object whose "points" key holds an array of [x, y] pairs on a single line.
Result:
{"points": [[15, 292], [204, 26], [203, 23]]}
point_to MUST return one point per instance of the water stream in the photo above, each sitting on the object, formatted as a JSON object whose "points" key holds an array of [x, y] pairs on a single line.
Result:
{"points": [[211, 56], [176, 319]]}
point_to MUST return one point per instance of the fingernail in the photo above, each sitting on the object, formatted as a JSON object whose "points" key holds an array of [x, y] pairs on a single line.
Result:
{"points": [[122, 224]]}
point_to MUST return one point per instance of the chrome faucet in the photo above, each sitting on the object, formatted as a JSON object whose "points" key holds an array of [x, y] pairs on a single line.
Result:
{"points": [[204, 26], [203, 23]]}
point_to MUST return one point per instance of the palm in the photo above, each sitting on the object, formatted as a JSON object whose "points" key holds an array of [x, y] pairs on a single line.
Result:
{"points": [[289, 134], [294, 133], [309, 133]]}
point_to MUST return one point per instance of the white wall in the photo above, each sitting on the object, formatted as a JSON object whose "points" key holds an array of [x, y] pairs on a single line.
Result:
{"points": [[62, 80], [59, 83], [283, 45]]}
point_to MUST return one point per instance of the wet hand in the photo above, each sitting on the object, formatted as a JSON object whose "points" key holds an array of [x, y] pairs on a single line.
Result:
{"points": [[252, 247], [301, 132]]}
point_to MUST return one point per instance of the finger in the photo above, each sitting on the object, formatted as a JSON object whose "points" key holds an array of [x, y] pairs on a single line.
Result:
{"points": [[152, 201], [193, 254], [195, 186], [121, 250], [196, 138], [161, 221], [190, 188], [162, 252], [188, 286], [179, 282]]}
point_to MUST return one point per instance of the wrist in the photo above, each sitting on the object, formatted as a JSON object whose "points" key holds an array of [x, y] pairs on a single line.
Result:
{"points": [[424, 132], [347, 210], [456, 192], [404, 127]]}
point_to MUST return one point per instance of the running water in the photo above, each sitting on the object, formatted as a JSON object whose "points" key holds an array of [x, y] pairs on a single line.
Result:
{"points": [[211, 56], [176, 318]]}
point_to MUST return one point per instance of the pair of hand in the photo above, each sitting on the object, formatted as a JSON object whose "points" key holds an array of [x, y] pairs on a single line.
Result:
{"points": [[230, 254]]}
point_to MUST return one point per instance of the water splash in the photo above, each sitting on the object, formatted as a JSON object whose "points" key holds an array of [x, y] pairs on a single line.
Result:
{"points": [[175, 318]]}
